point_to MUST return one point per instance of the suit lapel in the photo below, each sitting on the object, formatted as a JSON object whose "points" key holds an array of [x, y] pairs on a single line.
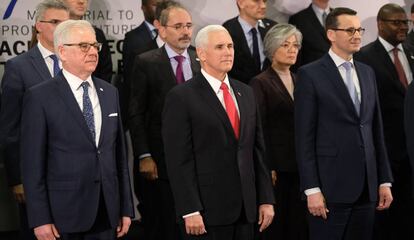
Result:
{"points": [[72, 105], [39, 64], [194, 64], [242, 105], [242, 38], [165, 64], [314, 21], [335, 78], [278, 84], [362, 77], [207, 93], [100, 91]]}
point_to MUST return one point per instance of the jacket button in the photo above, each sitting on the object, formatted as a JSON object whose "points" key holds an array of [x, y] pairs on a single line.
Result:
{"points": [[99, 152]]}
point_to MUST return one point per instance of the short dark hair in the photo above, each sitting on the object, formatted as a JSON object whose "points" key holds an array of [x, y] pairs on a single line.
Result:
{"points": [[332, 18], [388, 9], [162, 5]]}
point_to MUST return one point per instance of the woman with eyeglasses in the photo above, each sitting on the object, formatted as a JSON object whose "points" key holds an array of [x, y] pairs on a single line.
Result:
{"points": [[274, 91]]}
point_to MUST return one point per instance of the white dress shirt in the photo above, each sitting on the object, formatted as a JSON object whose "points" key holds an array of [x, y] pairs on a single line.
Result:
{"points": [[77, 90], [46, 56]]}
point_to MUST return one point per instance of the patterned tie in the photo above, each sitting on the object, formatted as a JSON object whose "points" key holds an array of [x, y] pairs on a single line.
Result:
{"points": [[256, 54], [351, 86], [56, 68], [88, 110], [231, 109], [179, 75], [399, 68]]}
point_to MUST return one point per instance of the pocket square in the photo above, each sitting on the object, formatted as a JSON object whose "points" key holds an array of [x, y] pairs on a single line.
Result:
{"points": [[113, 115]]}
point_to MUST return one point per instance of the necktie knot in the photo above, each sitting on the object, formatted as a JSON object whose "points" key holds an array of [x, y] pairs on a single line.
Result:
{"points": [[179, 58], [224, 87], [85, 86], [347, 66], [395, 51], [253, 31]]}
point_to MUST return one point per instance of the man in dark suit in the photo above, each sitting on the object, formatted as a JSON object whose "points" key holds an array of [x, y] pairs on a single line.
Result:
{"points": [[214, 148], [311, 23], [74, 164], [343, 163], [21, 73], [248, 31], [393, 65], [103, 71], [155, 73], [409, 41]]}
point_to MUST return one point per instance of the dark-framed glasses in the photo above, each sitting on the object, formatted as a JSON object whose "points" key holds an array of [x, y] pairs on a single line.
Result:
{"points": [[52, 21], [84, 47], [351, 31], [180, 26], [397, 22]]}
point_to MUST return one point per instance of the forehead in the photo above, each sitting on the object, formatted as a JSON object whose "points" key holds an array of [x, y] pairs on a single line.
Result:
{"points": [[178, 15], [397, 15], [291, 38], [53, 13], [219, 37], [346, 21], [81, 34]]}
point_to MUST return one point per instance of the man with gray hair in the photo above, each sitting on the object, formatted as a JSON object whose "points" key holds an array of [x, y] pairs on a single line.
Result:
{"points": [[220, 187], [74, 164], [20, 73]]}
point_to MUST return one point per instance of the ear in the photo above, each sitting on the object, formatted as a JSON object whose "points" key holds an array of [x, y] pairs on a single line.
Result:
{"points": [[201, 54], [162, 31], [331, 34], [61, 53], [38, 27], [156, 24]]}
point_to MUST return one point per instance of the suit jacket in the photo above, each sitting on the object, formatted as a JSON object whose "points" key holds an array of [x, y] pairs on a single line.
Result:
{"points": [[153, 78], [104, 68], [276, 110], [315, 42], [20, 73], [337, 150], [409, 130], [391, 94], [244, 66], [64, 172], [409, 41], [210, 170]]}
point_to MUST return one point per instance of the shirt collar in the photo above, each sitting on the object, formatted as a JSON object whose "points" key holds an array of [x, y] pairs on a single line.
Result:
{"points": [[319, 10], [246, 26], [171, 53], [388, 47], [75, 82], [338, 60], [44, 51], [214, 82]]}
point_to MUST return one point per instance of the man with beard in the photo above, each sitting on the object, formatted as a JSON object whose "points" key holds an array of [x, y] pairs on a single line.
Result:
{"points": [[155, 73], [248, 31], [393, 66], [340, 150]]}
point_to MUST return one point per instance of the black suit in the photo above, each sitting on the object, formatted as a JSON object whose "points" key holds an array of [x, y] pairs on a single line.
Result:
{"points": [[339, 151], [244, 66], [104, 68], [315, 43], [210, 170], [276, 109], [153, 77], [391, 94], [136, 41], [409, 41]]}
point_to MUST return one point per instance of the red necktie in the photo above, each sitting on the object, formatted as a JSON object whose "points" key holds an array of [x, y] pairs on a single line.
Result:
{"points": [[231, 109], [399, 68]]}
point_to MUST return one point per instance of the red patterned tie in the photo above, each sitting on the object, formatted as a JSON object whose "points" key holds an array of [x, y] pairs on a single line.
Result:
{"points": [[231, 109], [399, 68]]}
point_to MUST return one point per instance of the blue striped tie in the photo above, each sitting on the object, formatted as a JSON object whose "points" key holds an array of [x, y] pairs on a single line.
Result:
{"points": [[88, 110], [56, 68]]}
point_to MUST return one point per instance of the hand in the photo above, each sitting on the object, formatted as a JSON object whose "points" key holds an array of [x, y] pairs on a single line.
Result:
{"points": [[194, 225], [148, 168], [385, 198], [18, 193], [123, 226], [317, 206], [274, 177], [46, 232], [266, 214]]}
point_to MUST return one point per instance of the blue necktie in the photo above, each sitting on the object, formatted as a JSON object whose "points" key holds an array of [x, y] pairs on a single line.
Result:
{"points": [[56, 68], [351, 86], [256, 54], [88, 110]]}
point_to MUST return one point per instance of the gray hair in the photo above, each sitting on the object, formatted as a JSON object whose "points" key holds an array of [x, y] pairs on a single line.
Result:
{"points": [[46, 5], [201, 39], [64, 30], [277, 35]]}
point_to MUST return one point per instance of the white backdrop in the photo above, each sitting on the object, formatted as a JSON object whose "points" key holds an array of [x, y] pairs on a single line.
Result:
{"points": [[117, 17]]}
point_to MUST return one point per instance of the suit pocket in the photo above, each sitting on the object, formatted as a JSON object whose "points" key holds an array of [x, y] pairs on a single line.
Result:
{"points": [[326, 151], [63, 185]]}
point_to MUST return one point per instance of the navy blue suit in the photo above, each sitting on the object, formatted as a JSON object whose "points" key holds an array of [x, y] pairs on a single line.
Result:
{"points": [[64, 172], [338, 151]]}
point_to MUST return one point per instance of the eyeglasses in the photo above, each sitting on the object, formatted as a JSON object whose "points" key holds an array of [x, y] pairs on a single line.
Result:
{"points": [[52, 21], [351, 31], [397, 22], [288, 46], [84, 47], [180, 26]]}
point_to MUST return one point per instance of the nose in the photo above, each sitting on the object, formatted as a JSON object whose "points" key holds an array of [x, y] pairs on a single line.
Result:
{"points": [[262, 4]]}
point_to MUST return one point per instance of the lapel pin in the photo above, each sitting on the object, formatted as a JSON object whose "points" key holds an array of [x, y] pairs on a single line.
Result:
{"points": [[101, 89], [412, 57], [238, 93]]}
